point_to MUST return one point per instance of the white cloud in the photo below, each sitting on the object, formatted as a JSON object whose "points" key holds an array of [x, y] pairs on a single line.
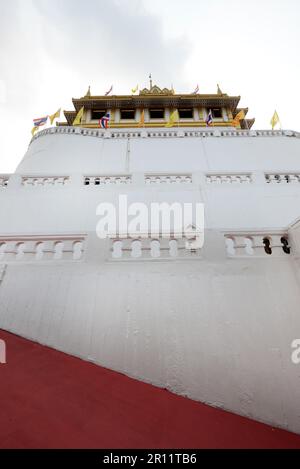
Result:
{"points": [[52, 50]]}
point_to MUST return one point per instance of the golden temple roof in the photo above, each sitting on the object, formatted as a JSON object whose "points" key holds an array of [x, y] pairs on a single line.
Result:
{"points": [[155, 96]]}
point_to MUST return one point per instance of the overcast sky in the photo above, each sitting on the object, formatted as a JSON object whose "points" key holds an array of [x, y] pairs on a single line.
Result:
{"points": [[51, 50]]}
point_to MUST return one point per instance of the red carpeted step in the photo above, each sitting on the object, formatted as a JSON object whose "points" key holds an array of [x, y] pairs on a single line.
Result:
{"points": [[52, 400]]}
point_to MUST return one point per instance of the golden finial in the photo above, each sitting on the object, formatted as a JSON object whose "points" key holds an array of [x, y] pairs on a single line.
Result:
{"points": [[88, 93], [150, 78], [219, 91]]}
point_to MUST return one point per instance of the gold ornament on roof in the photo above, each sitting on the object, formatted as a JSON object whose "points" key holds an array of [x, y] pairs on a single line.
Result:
{"points": [[157, 91]]}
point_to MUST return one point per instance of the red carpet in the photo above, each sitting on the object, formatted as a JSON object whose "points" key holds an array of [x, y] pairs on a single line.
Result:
{"points": [[52, 400]]}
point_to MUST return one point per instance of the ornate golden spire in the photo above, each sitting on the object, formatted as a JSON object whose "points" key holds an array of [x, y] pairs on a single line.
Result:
{"points": [[219, 91], [88, 93]]}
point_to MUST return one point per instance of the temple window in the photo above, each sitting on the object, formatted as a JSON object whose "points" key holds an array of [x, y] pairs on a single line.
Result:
{"points": [[127, 113], [98, 113], [186, 113], [217, 113], [157, 113]]}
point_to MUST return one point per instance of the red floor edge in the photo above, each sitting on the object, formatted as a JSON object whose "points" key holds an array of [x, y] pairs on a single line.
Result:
{"points": [[52, 400]]}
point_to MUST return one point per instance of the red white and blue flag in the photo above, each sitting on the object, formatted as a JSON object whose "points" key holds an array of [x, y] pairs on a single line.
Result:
{"points": [[104, 121], [40, 121], [209, 119]]}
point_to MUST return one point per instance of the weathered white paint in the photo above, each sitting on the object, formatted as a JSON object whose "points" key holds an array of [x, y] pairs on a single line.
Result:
{"points": [[213, 326]]}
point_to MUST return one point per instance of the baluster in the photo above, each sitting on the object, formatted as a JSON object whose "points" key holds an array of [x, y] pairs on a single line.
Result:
{"points": [[249, 246], [230, 245], [117, 249], [39, 250], [272, 178], [173, 248], [10, 251], [155, 248], [77, 250], [48, 250], [240, 245], [293, 178], [58, 250], [136, 248], [67, 249], [29, 252], [276, 244]]}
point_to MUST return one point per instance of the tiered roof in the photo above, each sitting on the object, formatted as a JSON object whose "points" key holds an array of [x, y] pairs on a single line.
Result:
{"points": [[162, 98]]}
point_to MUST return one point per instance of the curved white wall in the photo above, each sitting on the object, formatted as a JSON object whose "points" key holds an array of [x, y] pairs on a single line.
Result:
{"points": [[213, 327]]}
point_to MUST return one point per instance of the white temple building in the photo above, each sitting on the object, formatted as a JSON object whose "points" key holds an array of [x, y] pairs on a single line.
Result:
{"points": [[214, 323]]}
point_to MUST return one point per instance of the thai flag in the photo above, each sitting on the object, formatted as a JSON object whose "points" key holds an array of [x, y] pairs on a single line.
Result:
{"points": [[40, 121], [209, 119], [104, 121]]}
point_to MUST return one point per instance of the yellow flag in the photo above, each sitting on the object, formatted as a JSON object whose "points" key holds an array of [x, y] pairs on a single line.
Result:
{"points": [[174, 117], [274, 120], [56, 115], [134, 90], [142, 119], [34, 130], [77, 120], [240, 115]]}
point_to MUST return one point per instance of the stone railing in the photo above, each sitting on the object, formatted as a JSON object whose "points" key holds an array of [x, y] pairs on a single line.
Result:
{"points": [[161, 133], [228, 178], [45, 180], [41, 248], [284, 178], [149, 179], [154, 248], [257, 244], [168, 178], [106, 180], [4, 178]]}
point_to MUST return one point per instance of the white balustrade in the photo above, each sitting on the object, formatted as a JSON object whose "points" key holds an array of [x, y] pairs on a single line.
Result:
{"points": [[33, 249], [282, 178], [257, 244], [202, 132], [154, 248], [229, 178], [168, 178], [36, 181], [107, 180]]}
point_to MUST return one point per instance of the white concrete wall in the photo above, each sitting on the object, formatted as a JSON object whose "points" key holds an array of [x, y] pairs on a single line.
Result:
{"points": [[214, 328]]}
